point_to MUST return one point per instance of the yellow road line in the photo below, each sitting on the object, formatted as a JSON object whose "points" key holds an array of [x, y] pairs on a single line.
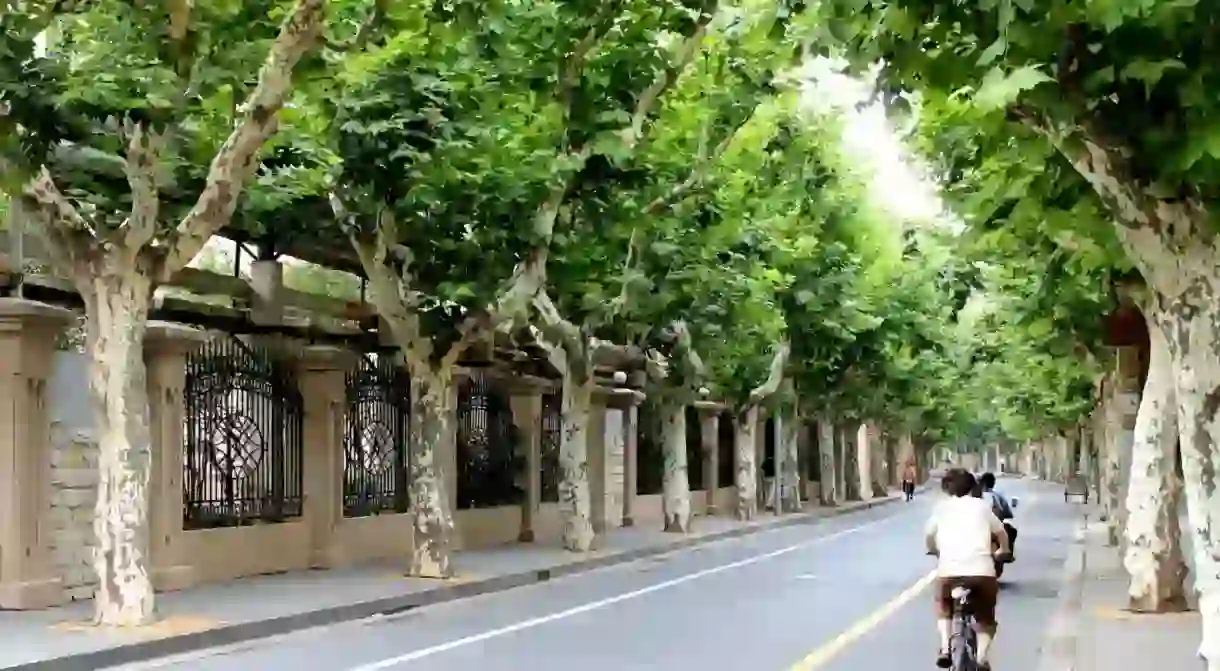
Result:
{"points": [[822, 655]]}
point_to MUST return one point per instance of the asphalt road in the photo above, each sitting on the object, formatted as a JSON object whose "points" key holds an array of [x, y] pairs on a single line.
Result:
{"points": [[844, 594]]}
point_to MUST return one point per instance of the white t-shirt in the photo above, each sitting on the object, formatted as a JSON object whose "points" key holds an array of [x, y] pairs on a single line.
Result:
{"points": [[963, 528]]}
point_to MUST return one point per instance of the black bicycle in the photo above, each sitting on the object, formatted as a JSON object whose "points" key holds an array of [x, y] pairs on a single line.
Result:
{"points": [[963, 641]]}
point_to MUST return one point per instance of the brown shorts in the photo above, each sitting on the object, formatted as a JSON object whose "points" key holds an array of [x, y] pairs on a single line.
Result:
{"points": [[984, 591]]}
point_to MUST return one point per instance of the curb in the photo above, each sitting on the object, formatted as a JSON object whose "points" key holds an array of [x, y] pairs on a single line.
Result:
{"points": [[1059, 646], [243, 632]]}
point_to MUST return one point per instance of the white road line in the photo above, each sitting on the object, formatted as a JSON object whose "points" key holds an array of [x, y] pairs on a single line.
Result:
{"points": [[595, 605]]}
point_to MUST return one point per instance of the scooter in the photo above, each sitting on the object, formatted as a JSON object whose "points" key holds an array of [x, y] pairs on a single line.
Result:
{"points": [[1011, 528]]}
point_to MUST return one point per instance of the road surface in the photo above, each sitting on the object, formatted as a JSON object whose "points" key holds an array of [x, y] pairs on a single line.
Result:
{"points": [[845, 594]]}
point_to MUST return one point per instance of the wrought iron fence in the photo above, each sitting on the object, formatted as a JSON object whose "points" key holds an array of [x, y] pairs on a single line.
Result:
{"points": [[728, 474], [376, 430], [243, 451], [487, 458], [552, 432], [650, 461], [813, 452], [767, 469], [694, 450]]}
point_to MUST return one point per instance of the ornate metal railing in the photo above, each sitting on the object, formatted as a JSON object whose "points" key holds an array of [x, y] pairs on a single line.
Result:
{"points": [[376, 430], [694, 450], [551, 435], [488, 464], [727, 475], [243, 443], [650, 461]]}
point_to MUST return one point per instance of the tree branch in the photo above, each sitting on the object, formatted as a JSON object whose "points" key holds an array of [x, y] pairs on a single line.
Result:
{"points": [[697, 173], [64, 231], [143, 148], [776, 377], [685, 348], [392, 294], [633, 134], [1149, 228], [237, 159]]}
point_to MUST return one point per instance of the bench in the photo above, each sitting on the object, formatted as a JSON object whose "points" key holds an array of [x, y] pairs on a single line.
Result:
{"points": [[1077, 486]]}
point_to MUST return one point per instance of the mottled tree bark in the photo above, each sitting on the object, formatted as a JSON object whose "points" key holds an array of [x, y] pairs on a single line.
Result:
{"points": [[790, 466], [431, 403], [117, 307], [675, 497], [851, 462], [575, 493], [744, 443], [1153, 556], [826, 459]]}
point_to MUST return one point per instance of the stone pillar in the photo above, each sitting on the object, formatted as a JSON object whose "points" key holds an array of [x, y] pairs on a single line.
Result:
{"points": [[709, 436], [526, 403], [323, 370], [28, 329], [597, 464], [607, 454], [631, 465], [166, 347], [267, 285], [446, 456]]}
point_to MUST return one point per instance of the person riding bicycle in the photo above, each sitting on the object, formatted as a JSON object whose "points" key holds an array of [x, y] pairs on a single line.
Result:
{"points": [[1001, 507], [960, 534]]}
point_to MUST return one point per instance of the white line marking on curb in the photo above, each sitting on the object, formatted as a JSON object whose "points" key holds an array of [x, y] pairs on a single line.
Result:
{"points": [[595, 605]]}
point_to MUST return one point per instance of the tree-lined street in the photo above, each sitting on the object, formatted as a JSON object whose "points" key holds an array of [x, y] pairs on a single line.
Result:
{"points": [[818, 596], [508, 272]]}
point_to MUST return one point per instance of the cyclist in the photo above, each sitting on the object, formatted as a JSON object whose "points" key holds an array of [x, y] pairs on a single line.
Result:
{"points": [[960, 533], [1001, 507]]}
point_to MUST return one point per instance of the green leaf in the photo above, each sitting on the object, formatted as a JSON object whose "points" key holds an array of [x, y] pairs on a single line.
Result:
{"points": [[1000, 89]]}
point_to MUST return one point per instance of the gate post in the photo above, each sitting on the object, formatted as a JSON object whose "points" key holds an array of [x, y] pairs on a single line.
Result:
{"points": [[166, 348], [709, 437], [28, 330], [526, 400], [323, 371], [631, 465]]}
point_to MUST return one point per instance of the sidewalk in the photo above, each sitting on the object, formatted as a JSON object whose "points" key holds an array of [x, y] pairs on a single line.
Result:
{"points": [[259, 607], [1101, 635]]}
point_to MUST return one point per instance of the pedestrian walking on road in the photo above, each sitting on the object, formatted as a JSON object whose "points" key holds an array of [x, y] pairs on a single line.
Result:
{"points": [[908, 480]]}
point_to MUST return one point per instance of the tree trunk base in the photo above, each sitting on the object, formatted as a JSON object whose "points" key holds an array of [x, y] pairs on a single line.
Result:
{"points": [[675, 525]]}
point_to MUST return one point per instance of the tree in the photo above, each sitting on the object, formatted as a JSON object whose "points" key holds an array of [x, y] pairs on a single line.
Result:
{"points": [[621, 270], [1108, 96], [106, 108]]}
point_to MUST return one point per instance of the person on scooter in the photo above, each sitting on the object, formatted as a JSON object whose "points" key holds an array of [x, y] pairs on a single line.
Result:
{"points": [[1001, 507], [960, 533]]}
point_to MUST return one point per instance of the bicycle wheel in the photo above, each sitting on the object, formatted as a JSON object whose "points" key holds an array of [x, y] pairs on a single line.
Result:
{"points": [[962, 647]]}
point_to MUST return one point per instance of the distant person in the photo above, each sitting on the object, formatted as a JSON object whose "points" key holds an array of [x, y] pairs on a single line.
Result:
{"points": [[960, 534], [908, 480]]}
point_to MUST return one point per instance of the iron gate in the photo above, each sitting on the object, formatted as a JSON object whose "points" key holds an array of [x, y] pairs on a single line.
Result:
{"points": [[375, 435], [243, 447], [694, 450], [487, 459], [552, 436], [650, 461], [725, 443]]}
